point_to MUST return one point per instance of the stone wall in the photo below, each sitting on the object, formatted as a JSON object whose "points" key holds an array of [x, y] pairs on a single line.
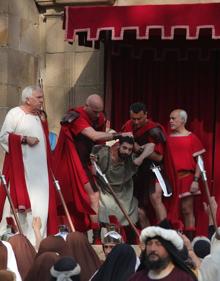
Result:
{"points": [[19, 50], [31, 48], [70, 72]]}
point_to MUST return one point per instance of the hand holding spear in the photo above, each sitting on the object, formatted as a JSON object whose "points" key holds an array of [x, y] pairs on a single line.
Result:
{"points": [[4, 183], [204, 178]]}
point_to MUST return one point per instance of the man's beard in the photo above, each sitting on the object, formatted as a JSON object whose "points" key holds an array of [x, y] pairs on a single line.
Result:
{"points": [[123, 156], [160, 263]]}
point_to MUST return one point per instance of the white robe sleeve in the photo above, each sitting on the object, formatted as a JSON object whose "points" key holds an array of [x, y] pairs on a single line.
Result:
{"points": [[9, 126], [210, 269]]}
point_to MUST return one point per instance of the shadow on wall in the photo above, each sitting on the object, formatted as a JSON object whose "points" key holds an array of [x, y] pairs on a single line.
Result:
{"points": [[83, 78], [89, 76]]}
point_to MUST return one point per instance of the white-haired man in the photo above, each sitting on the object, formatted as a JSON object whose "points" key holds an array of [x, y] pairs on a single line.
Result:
{"points": [[185, 147], [24, 137], [162, 260]]}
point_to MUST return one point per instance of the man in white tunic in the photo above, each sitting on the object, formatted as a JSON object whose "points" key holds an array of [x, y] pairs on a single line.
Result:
{"points": [[27, 167]]}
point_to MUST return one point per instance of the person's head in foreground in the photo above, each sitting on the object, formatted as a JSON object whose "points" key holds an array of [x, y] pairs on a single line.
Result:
{"points": [[65, 269], [162, 252], [110, 240]]}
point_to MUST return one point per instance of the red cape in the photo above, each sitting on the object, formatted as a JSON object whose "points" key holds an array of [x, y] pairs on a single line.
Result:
{"points": [[72, 178], [128, 127], [84, 122], [69, 171], [13, 169]]}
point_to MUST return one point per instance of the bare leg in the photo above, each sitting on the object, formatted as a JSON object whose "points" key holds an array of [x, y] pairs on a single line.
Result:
{"points": [[95, 226], [143, 219], [156, 201], [187, 207], [94, 198]]}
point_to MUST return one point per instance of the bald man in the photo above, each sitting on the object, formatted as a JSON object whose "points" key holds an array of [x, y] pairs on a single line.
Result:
{"points": [[82, 127], [185, 147]]}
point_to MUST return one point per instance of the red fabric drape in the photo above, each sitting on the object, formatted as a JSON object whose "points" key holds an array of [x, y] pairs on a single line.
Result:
{"points": [[13, 169], [168, 75], [69, 171], [142, 19]]}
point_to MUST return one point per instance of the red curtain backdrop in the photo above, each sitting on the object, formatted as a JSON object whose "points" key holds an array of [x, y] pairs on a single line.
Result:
{"points": [[166, 75], [142, 19]]}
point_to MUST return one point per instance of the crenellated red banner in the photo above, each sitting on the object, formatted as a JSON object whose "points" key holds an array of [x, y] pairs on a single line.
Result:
{"points": [[167, 18]]}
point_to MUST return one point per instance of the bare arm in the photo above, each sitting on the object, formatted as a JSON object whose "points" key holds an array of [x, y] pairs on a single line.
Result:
{"points": [[155, 156], [191, 253], [148, 149], [36, 224], [214, 206], [100, 136], [195, 183], [97, 135]]}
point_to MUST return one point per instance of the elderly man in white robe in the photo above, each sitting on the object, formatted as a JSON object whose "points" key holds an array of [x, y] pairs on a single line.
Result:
{"points": [[24, 137]]}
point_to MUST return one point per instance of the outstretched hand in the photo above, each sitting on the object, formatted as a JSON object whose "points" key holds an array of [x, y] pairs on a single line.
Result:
{"points": [[36, 223], [148, 148], [127, 134], [214, 207], [186, 241]]}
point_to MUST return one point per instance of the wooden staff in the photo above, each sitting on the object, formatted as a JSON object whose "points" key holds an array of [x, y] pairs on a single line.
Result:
{"points": [[56, 182], [98, 170], [3, 180], [57, 185], [204, 177]]}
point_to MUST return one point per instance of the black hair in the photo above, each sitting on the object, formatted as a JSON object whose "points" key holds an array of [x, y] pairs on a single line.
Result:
{"points": [[127, 139], [119, 264], [64, 264], [137, 107], [175, 255]]}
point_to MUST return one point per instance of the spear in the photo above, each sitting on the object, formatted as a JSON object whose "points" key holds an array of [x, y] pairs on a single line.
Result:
{"points": [[57, 185], [100, 173], [204, 178], [4, 183]]}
